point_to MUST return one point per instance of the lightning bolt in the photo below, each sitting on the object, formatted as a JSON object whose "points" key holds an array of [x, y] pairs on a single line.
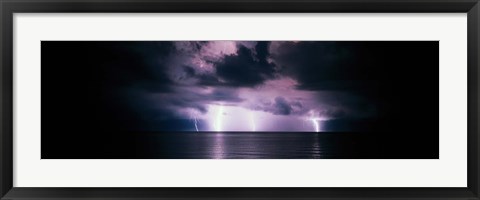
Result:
{"points": [[252, 122], [219, 119], [314, 121], [193, 117], [196, 127], [315, 124]]}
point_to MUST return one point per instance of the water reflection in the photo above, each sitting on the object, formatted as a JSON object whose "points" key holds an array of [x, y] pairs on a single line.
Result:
{"points": [[218, 146], [265, 145], [254, 145], [316, 147], [240, 145]]}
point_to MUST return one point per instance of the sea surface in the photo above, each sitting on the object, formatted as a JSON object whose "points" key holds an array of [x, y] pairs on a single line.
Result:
{"points": [[263, 146], [242, 145]]}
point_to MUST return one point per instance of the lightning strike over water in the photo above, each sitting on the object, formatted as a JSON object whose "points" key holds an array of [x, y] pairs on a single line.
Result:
{"points": [[219, 119], [252, 122], [196, 127], [315, 123], [227, 99]]}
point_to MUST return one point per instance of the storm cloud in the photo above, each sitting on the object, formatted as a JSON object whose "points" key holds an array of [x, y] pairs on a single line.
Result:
{"points": [[142, 85], [244, 69]]}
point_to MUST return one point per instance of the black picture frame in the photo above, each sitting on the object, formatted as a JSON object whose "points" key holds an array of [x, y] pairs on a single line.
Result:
{"points": [[9, 7]]}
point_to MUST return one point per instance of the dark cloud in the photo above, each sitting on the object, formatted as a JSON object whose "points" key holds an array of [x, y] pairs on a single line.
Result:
{"points": [[187, 99], [106, 80], [208, 80], [188, 72], [127, 85], [261, 49], [345, 104], [333, 113], [280, 106], [318, 65], [244, 69], [125, 65], [225, 95], [368, 74], [353, 66]]}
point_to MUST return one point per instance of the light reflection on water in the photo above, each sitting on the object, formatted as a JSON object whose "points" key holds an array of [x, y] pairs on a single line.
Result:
{"points": [[240, 145], [316, 147], [218, 147]]}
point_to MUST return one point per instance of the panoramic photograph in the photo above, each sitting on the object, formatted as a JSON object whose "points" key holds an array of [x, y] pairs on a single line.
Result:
{"points": [[240, 99]]}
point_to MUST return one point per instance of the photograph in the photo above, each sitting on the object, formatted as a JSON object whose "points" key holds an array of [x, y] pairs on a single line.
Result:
{"points": [[224, 99], [269, 99]]}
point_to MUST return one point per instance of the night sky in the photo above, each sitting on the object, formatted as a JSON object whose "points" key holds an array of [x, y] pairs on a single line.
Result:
{"points": [[105, 88]]}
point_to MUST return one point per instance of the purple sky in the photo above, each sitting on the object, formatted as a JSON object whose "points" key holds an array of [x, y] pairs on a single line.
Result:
{"points": [[248, 86]]}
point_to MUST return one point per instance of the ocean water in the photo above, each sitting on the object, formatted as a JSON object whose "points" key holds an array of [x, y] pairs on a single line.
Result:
{"points": [[242, 145], [263, 146]]}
